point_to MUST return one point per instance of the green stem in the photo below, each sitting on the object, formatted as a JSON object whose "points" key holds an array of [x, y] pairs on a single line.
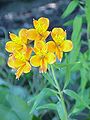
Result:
{"points": [[61, 98], [88, 37]]}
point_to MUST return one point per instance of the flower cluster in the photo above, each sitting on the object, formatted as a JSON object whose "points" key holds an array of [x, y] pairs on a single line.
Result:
{"points": [[20, 47]]}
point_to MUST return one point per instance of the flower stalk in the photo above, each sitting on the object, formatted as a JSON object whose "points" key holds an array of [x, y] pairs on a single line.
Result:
{"points": [[60, 98]]}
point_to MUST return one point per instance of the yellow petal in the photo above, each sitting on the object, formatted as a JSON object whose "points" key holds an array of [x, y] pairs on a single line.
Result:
{"points": [[12, 46], [33, 35], [14, 63], [35, 61], [59, 54], [45, 35], [20, 56], [51, 46], [25, 68], [19, 71], [41, 24], [67, 46], [51, 58], [15, 38], [58, 35], [43, 65], [23, 34], [40, 47], [28, 53]]}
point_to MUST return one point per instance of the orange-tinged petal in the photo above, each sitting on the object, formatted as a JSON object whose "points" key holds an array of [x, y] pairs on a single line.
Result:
{"points": [[33, 35], [67, 46], [59, 54], [25, 68], [58, 35], [35, 61], [51, 46], [43, 65], [40, 47], [51, 58], [19, 71], [20, 56], [12, 46], [45, 35], [14, 63], [41, 24], [28, 53], [23, 34]]}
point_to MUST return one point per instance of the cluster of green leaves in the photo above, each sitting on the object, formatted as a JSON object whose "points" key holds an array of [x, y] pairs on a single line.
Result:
{"points": [[39, 94]]}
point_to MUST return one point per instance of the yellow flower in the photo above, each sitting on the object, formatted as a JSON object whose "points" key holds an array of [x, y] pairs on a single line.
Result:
{"points": [[42, 57], [40, 31], [17, 42], [20, 62], [59, 44]]}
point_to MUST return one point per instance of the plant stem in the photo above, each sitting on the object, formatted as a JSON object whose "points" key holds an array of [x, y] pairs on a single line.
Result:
{"points": [[88, 37], [61, 98]]}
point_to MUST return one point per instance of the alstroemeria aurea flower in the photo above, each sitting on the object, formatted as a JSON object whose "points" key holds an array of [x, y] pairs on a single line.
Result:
{"points": [[40, 31], [20, 62], [42, 57], [59, 43], [17, 42]]}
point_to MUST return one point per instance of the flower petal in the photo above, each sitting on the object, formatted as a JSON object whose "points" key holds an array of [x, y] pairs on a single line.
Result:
{"points": [[40, 47], [43, 65], [35, 61], [51, 46], [23, 34], [28, 53], [51, 58], [41, 24], [67, 46], [33, 35], [59, 54], [25, 68], [14, 63], [58, 35], [12, 46], [15, 38], [45, 35]]}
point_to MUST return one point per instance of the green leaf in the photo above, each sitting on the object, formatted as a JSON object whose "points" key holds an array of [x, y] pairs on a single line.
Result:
{"points": [[50, 106], [88, 11], [75, 96], [7, 114], [71, 7], [15, 104], [19, 106], [77, 25], [84, 71], [45, 93], [60, 111], [68, 23], [78, 107], [36, 118], [76, 37], [48, 77], [68, 72]]}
